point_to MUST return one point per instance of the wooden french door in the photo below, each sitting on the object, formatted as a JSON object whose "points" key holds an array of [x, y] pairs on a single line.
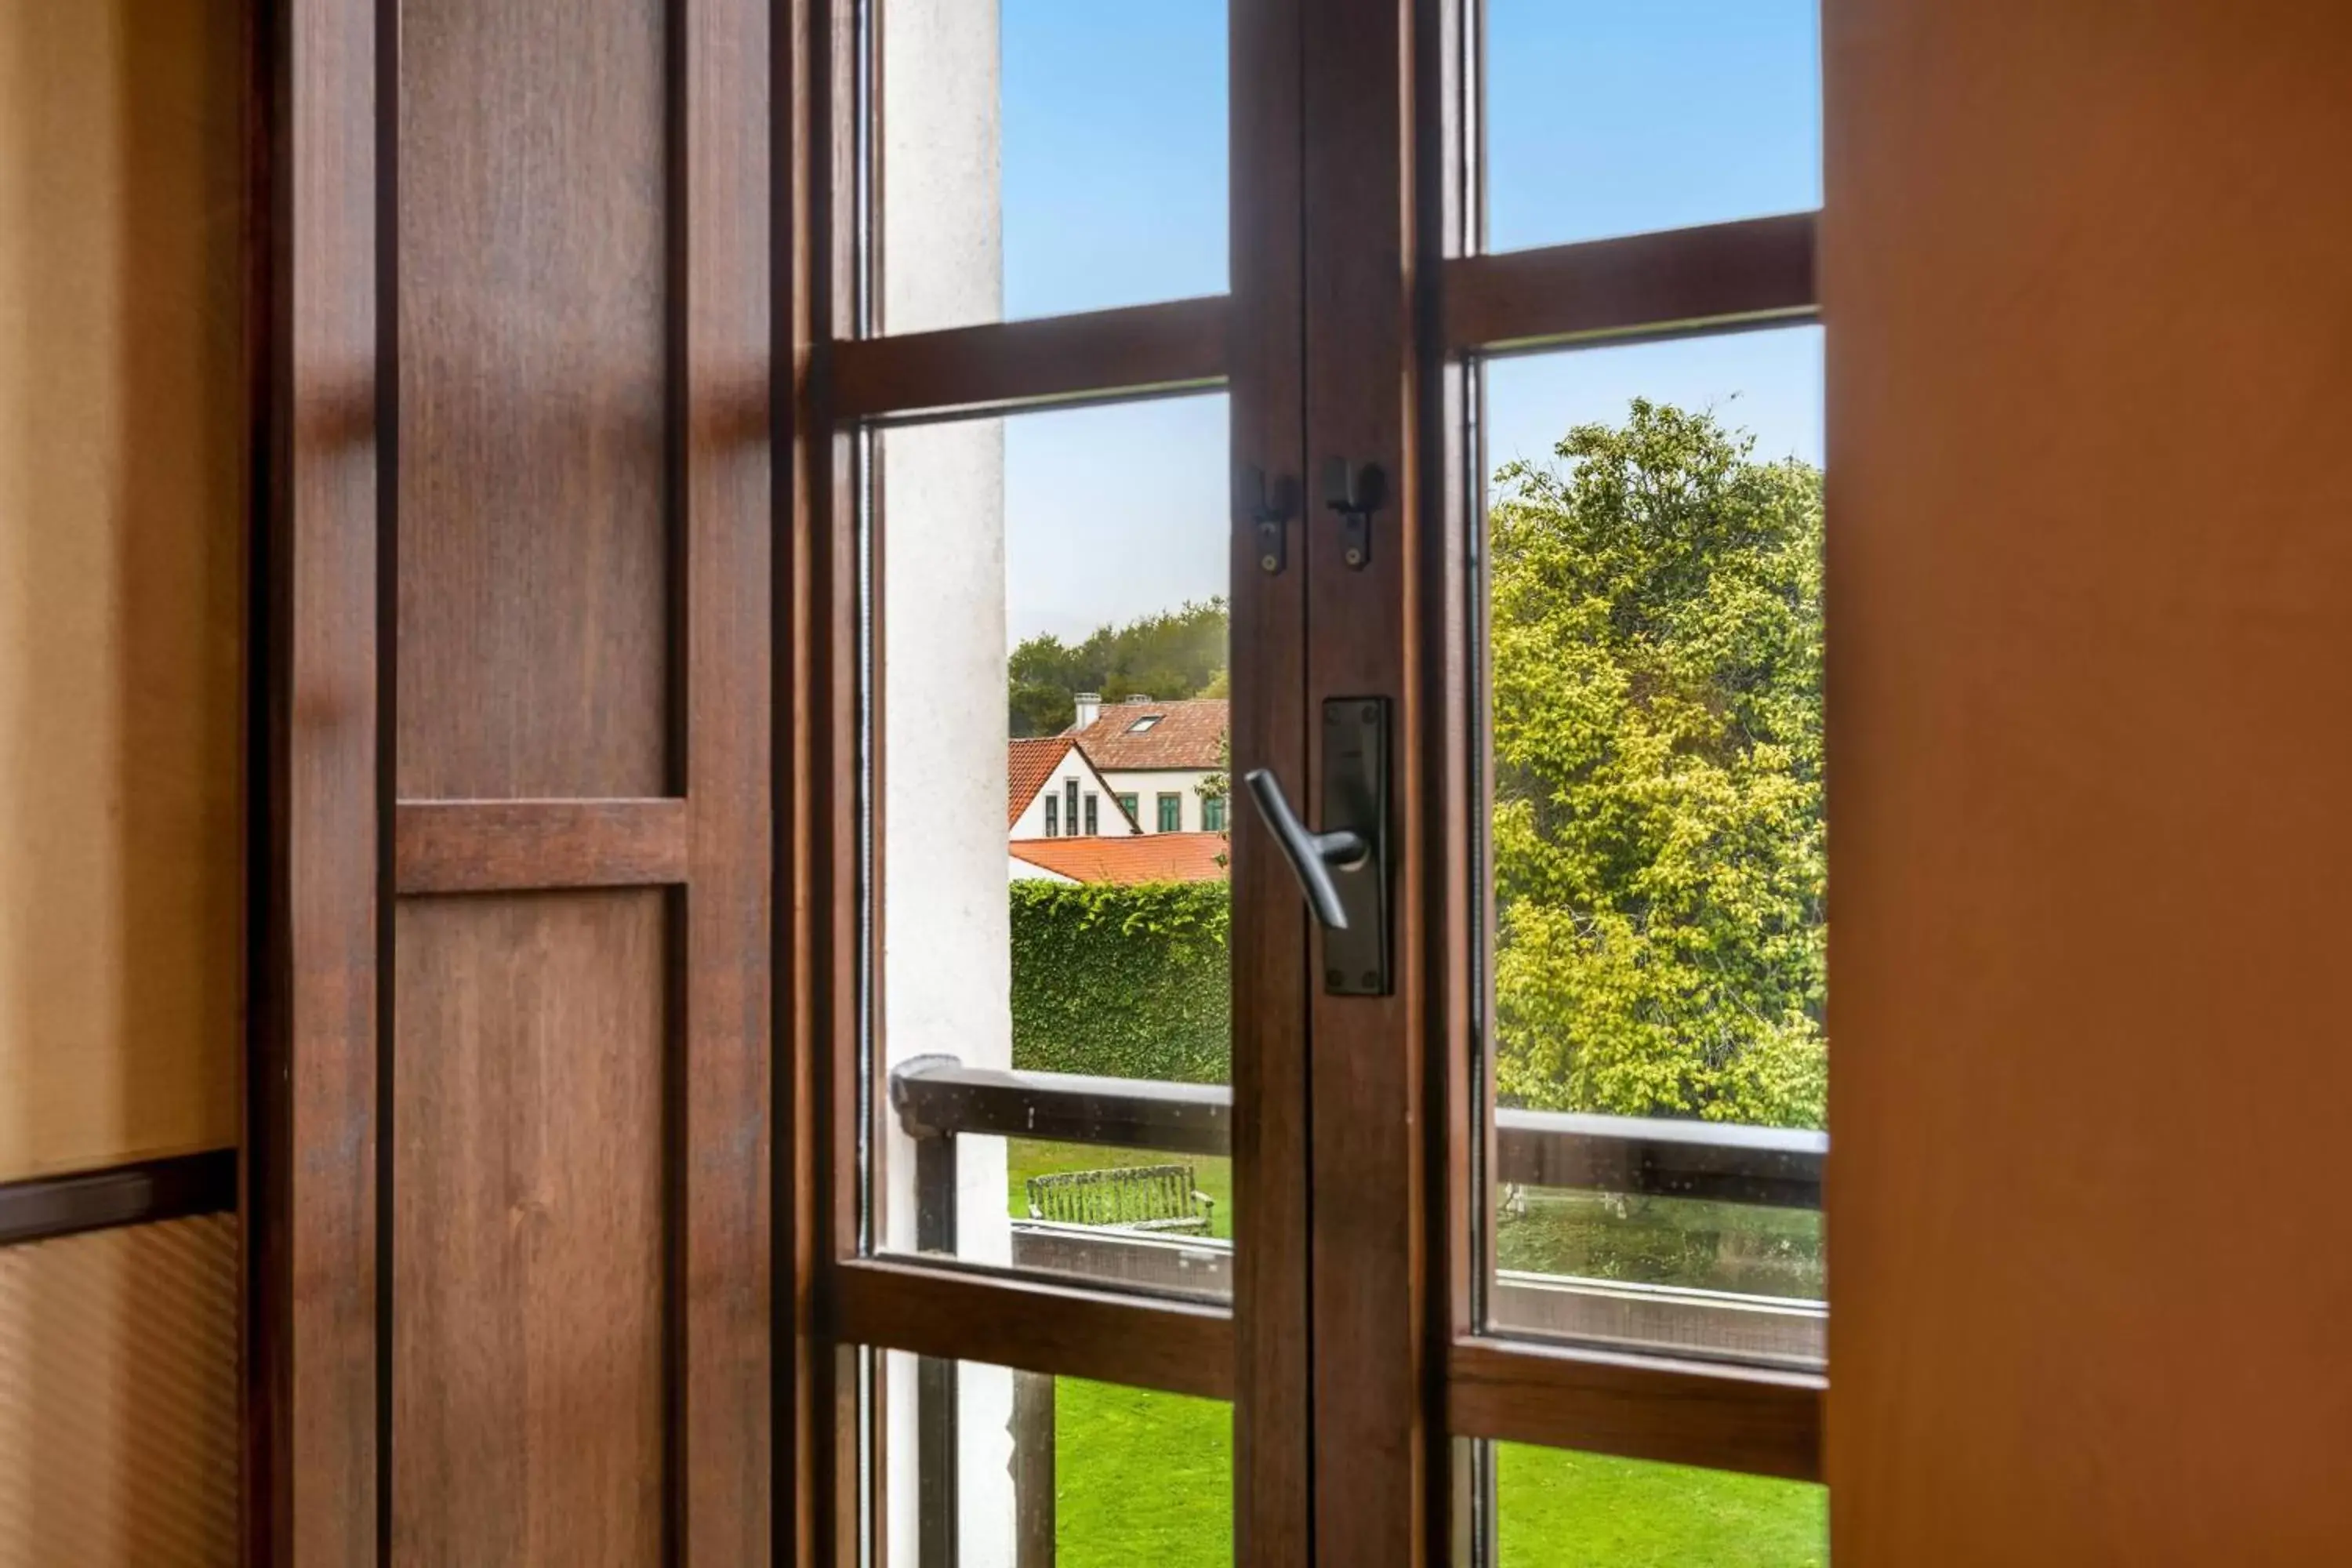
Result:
{"points": [[1354, 1322], [1374, 1351], [510, 1113], [668, 1143]]}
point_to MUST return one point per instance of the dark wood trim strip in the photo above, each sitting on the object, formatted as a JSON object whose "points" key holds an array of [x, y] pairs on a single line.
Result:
{"points": [[1033, 1326], [804, 1425], [1681, 1412], [42, 1208], [312, 1377], [1755, 270], [515, 846], [1274, 1472], [1166, 347], [1444, 606], [1376, 1435], [724, 377]]}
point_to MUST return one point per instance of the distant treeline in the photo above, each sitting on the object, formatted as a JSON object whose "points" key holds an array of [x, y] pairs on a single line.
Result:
{"points": [[1173, 655]]}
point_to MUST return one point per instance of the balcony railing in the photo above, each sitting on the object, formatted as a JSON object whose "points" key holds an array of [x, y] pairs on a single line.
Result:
{"points": [[937, 1099]]}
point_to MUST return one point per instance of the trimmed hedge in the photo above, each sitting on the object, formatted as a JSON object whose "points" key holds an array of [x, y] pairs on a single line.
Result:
{"points": [[1123, 981]]}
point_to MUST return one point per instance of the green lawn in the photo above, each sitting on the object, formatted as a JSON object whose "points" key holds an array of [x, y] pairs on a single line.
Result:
{"points": [[1146, 1477], [1586, 1511]]}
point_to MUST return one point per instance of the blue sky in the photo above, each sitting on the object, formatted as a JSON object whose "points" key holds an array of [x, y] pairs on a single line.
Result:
{"points": [[1602, 119]]}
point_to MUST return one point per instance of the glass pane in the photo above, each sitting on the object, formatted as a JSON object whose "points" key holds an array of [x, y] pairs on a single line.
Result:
{"points": [[1554, 1507], [1654, 633], [1052, 1470], [1613, 117], [1039, 157], [1046, 665]]}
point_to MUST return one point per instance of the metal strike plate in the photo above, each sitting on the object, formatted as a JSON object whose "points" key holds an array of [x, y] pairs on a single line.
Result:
{"points": [[1356, 798], [1269, 506], [1354, 492]]}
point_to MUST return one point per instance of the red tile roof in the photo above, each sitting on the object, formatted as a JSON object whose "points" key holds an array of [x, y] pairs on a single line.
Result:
{"points": [[1028, 764], [1189, 735], [1151, 857]]}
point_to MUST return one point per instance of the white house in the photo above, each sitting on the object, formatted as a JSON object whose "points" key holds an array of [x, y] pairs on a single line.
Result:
{"points": [[1054, 791], [1155, 757]]}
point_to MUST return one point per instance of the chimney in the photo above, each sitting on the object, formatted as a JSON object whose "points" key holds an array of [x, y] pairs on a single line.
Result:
{"points": [[1089, 708]]}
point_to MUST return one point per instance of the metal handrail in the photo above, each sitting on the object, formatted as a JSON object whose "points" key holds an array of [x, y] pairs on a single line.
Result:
{"points": [[1778, 1167]]}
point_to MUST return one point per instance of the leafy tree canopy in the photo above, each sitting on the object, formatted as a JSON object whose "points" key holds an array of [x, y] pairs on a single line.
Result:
{"points": [[1658, 850], [1173, 655]]}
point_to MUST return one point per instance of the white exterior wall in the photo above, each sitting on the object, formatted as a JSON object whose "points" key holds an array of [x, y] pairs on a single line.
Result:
{"points": [[947, 977], [1031, 823], [1147, 788]]}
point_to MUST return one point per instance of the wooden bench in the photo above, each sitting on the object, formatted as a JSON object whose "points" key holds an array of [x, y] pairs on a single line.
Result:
{"points": [[1158, 1198]]}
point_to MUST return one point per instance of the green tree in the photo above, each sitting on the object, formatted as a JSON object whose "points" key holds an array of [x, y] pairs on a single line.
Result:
{"points": [[1173, 655], [1658, 850]]}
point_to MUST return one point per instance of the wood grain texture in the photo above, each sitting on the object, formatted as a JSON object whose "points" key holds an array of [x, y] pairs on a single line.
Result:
{"points": [[1030, 1326], [1273, 1449], [512, 846], [1757, 271], [1177, 345], [534, 400], [1372, 1421], [721, 1264], [1641, 1407], [528, 1367], [2089, 576], [311, 1142]]}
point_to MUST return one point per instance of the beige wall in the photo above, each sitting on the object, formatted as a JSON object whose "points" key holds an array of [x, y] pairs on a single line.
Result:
{"points": [[2087, 276], [121, 562]]}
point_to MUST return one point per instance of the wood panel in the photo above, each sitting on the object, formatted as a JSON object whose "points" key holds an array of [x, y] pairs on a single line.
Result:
{"points": [[1033, 1326], [527, 1235], [539, 1224], [493, 846], [1641, 1407], [1755, 272], [533, 429], [1175, 346], [2085, 271]]}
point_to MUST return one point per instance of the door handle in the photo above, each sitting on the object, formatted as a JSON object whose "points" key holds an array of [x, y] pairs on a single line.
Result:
{"points": [[1344, 869], [1312, 856]]}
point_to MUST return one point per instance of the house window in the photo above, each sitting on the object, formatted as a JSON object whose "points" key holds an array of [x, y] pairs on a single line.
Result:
{"points": [[1070, 804], [1094, 815], [1213, 813], [1140, 725], [1132, 804], [1172, 813], [1052, 817]]}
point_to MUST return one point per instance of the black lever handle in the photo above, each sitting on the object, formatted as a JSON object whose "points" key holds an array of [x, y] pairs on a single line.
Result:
{"points": [[1312, 856]]}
